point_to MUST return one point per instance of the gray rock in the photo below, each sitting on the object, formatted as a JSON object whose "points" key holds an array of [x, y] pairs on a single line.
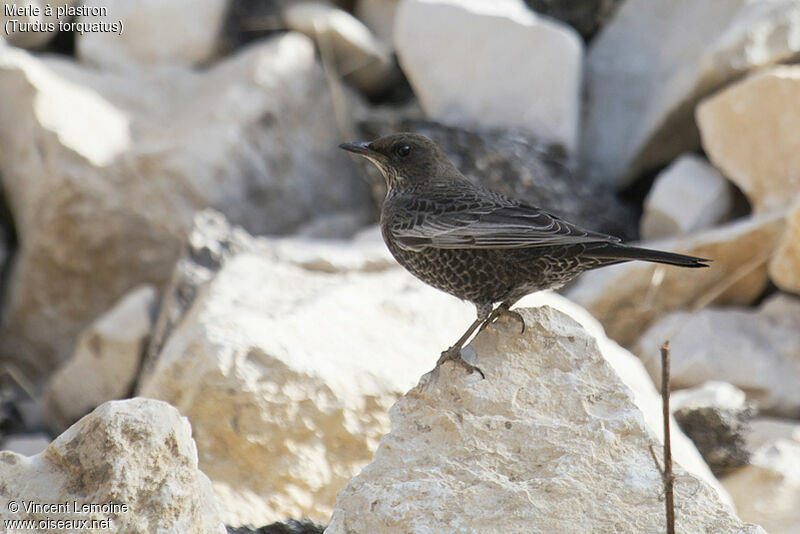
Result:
{"points": [[654, 61], [719, 435], [758, 351], [517, 164]]}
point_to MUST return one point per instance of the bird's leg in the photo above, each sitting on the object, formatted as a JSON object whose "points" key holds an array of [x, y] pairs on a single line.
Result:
{"points": [[503, 309], [454, 352]]}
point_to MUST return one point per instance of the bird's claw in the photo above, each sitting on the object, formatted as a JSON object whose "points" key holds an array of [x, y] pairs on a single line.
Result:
{"points": [[454, 354]]}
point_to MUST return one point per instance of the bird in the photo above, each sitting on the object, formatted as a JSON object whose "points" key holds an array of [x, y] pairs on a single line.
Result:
{"points": [[477, 244]]}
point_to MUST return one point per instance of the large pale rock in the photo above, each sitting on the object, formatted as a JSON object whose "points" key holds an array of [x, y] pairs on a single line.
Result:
{"points": [[286, 365], [359, 56], [529, 449], [633, 374], [492, 64], [656, 59], [626, 298], [687, 196], [749, 133], [784, 266], [378, 15], [35, 25], [106, 360], [757, 351], [155, 32], [767, 491], [122, 162], [138, 453]]}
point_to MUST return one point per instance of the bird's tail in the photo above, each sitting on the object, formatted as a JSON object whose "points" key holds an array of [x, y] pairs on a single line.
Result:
{"points": [[624, 253]]}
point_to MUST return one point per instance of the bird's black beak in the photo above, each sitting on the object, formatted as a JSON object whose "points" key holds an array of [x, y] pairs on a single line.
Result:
{"points": [[362, 148]]}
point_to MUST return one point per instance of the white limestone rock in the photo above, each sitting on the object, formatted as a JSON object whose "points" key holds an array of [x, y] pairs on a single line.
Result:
{"points": [[784, 265], [749, 133], [106, 360], [359, 56], [767, 491], [154, 33], [687, 196], [123, 161], [757, 351], [711, 394], [492, 64], [138, 453], [648, 68], [551, 441], [627, 298]]}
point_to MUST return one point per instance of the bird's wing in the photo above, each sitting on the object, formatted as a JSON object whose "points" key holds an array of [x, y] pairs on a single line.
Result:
{"points": [[485, 223]]}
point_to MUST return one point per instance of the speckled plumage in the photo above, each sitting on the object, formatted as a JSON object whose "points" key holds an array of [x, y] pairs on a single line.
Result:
{"points": [[475, 243]]}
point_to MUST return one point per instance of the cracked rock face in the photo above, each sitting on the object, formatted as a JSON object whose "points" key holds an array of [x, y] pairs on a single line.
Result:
{"points": [[529, 449]]}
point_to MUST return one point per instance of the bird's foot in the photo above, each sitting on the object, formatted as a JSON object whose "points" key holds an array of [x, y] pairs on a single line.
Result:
{"points": [[454, 354]]}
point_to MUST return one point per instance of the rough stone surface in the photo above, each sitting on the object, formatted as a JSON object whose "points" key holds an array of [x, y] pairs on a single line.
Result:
{"points": [[137, 452], [122, 163], [359, 56], [656, 59], [470, 63], [106, 360], [687, 196], [586, 16], [767, 491], [784, 266], [38, 29], [749, 133], [273, 340], [627, 298], [517, 164], [633, 374], [529, 449], [757, 351], [155, 32]]}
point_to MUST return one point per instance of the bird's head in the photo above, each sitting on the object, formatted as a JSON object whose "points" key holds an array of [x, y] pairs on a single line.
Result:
{"points": [[404, 159]]}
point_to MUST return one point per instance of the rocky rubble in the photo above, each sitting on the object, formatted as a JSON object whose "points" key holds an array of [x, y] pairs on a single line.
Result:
{"points": [[285, 353], [137, 157]]}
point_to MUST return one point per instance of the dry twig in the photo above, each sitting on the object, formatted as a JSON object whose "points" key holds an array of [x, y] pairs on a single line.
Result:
{"points": [[666, 471]]}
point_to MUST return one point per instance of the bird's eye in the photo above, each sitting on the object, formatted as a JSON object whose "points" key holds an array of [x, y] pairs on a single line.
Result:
{"points": [[402, 150]]}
